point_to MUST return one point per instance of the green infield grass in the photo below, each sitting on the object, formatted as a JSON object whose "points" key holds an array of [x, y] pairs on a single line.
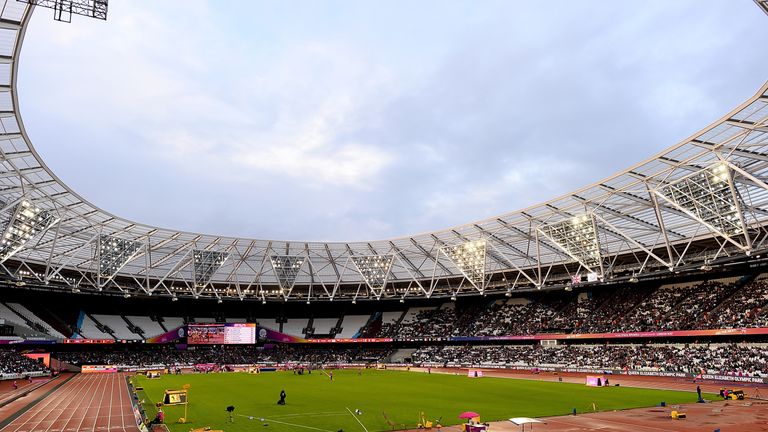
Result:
{"points": [[315, 403]]}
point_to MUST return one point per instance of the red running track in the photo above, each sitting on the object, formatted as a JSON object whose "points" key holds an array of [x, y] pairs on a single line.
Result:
{"points": [[88, 402]]}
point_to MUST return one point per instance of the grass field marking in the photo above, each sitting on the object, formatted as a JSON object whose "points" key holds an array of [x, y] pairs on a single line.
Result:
{"points": [[357, 419], [317, 414], [281, 422]]}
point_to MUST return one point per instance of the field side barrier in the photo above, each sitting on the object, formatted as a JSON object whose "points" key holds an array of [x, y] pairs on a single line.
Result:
{"points": [[138, 410], [23, 375], [627, 372]]}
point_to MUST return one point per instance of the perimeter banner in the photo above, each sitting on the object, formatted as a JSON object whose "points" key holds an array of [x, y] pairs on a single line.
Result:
{"points": [[174, 335], [89, 341], [98, 369], [235, 333], [623, 335], [20, 341], [562, 336]]}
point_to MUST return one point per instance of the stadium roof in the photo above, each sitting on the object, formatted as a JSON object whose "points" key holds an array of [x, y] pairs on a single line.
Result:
{"points": [[763, 5], [708, 189]]}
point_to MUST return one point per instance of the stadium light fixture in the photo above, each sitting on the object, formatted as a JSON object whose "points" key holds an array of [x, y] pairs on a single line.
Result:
{"points": [[206, 263], [27, 222], [375, 270], [577, 237], [710, 197], [287, 269], [114, 253], [469, 258]]}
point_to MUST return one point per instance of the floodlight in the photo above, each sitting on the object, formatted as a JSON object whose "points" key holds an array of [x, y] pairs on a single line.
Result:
{"points": [[469, 258], [114, 253], [206, 263], [578, 238], [286, 268], [27, 222], [374, 269], [710, 197]]}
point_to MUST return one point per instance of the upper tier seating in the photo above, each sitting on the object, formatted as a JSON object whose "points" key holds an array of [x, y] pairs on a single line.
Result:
{"points": [[295, 326], [33, 318], [151, 328], [173, 322], [323, 326], [117, 324], [89, 330], [352, 325]]}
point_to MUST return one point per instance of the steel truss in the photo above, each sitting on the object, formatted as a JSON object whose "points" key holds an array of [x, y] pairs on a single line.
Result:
{"points": [[702, 200], [63, 9]]}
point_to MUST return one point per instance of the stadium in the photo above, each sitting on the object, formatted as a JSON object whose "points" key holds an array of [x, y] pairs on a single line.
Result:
{"points": [[639, 302]]}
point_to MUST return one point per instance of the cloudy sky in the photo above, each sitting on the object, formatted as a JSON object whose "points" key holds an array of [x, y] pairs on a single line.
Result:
{"points": [[339, 120]]}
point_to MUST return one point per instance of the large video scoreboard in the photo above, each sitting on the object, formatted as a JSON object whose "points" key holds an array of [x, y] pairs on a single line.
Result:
{"points": [[221, 334]]}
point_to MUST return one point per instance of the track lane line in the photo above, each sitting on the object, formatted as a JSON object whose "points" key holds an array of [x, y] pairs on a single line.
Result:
{"points": [[53, 400], [82, 408], [99, 403], [97, 382], [60, 416]]}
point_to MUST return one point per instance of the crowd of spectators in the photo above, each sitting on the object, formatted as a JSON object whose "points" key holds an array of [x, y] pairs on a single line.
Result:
{"points": [[225, 355], [429, 323], [608, 316], [506, 319], [577, 312], [694, 305], [649, 314], [747, 360], [12, 362], [745, 308]]}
